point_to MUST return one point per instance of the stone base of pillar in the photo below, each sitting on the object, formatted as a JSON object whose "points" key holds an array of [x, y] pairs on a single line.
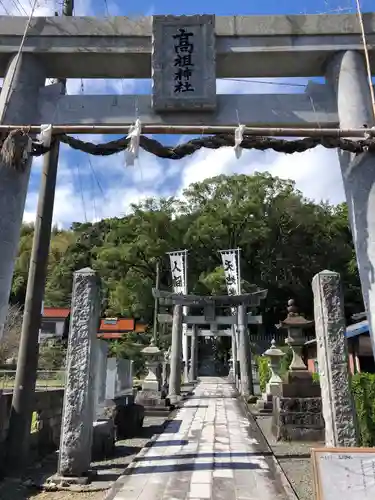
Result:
{"points": [[231, 375], [298, 419], [174, 398], [154, 402], [299, 384], [185, 373], [265, 404], [64, 482]]}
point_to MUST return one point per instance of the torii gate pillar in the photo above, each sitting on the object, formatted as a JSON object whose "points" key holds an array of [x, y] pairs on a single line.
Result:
{"points": [[176, 348], [347, 74], [193, 372], [18, 105]]}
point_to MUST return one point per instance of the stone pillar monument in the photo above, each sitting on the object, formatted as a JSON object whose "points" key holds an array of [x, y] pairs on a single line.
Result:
{"points": [[338, 407], [78, 409], [18, 104], [297, 412], [244, 353], [175, 375], [348, 76]]}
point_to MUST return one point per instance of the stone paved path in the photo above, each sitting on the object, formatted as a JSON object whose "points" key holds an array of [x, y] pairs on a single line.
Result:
{"points": [[205, 452]]}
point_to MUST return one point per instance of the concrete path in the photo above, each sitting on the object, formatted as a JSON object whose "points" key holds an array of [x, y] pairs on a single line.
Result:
{"points": [[208, 451]]}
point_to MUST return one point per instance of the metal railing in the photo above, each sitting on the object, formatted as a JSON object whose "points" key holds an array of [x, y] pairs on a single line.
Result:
{"points": [[46, 380]]}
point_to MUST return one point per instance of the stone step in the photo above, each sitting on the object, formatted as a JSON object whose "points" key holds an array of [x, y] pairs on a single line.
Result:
{"points": [[158, 411], [264, 406]]}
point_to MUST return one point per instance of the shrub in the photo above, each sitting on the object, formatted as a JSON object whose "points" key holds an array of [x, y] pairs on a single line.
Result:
{"points": [[264, 372], [363, 390]]}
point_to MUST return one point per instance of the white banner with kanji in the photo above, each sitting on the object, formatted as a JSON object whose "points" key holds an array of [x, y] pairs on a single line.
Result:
{"points": [[229, 259], [178, 272]]}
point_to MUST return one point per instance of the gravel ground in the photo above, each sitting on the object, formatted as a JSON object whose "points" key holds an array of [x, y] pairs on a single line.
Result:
{"points": [[108, 470], [293, 457]]}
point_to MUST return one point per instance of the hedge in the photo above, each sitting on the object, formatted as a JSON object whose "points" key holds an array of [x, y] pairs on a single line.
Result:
{"points": [[264, 372], [363, 390]]}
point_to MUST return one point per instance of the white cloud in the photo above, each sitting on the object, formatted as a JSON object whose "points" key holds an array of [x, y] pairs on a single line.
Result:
{"points": [[75, 205], [316, 172]]}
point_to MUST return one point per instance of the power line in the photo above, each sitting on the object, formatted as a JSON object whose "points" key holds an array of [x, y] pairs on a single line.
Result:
{"points": [[81, 191], [18, 56], [106, 8], [19, 7], [5, 9], [265, 82], [95, 177]]}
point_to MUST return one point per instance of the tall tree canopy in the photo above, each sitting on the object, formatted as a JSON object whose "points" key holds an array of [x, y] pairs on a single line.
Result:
{"points": [[284, 238]]}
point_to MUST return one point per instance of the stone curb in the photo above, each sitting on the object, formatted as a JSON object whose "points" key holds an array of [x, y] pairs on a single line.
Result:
{"points": [[289, 490], [120, 481]]}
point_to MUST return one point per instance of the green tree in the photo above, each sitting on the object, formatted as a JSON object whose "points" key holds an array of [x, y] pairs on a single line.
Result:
{"points": [[284, 238]]}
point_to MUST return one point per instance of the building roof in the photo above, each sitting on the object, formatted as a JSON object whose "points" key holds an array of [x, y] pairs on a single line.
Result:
{"points": [[357, 329], [351, 331], [56, 312], [116, 325]]}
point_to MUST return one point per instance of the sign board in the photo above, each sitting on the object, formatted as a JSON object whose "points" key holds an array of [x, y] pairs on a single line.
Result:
{"points": [[344, 473], [183, 63]]}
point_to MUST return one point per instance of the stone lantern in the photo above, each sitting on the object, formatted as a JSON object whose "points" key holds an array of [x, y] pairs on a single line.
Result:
{"points": [[274, 355], [274, 387], [297, 411], [154, 358], [298, 377]]}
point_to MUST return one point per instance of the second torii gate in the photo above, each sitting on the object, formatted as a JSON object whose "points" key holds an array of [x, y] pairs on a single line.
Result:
{"points": [[209, 304]]}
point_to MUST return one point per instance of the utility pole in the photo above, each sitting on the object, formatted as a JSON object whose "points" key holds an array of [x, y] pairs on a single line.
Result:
{"points": [[27, 364], [156, 304]]}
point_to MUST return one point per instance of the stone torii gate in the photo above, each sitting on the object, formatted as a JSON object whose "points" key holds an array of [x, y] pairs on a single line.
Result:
{"points": [[209, 305], [184, 98], [222, 47], [213, 322]]}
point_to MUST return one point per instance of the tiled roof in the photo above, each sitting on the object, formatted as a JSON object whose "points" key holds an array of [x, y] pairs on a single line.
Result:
{"points": [[56, 312], [116, 325]]}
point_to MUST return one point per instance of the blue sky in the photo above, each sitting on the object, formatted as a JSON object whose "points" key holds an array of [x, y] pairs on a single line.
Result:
{"points": [[90, 188]]}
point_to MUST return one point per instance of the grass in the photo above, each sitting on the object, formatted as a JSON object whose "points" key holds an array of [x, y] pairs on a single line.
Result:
{"points": [[8, 383], [34, 422]]}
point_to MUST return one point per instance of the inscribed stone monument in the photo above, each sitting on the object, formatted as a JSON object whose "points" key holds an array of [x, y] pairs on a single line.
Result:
{"points": [[337, 402], [183, 63], [78, 412]]}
